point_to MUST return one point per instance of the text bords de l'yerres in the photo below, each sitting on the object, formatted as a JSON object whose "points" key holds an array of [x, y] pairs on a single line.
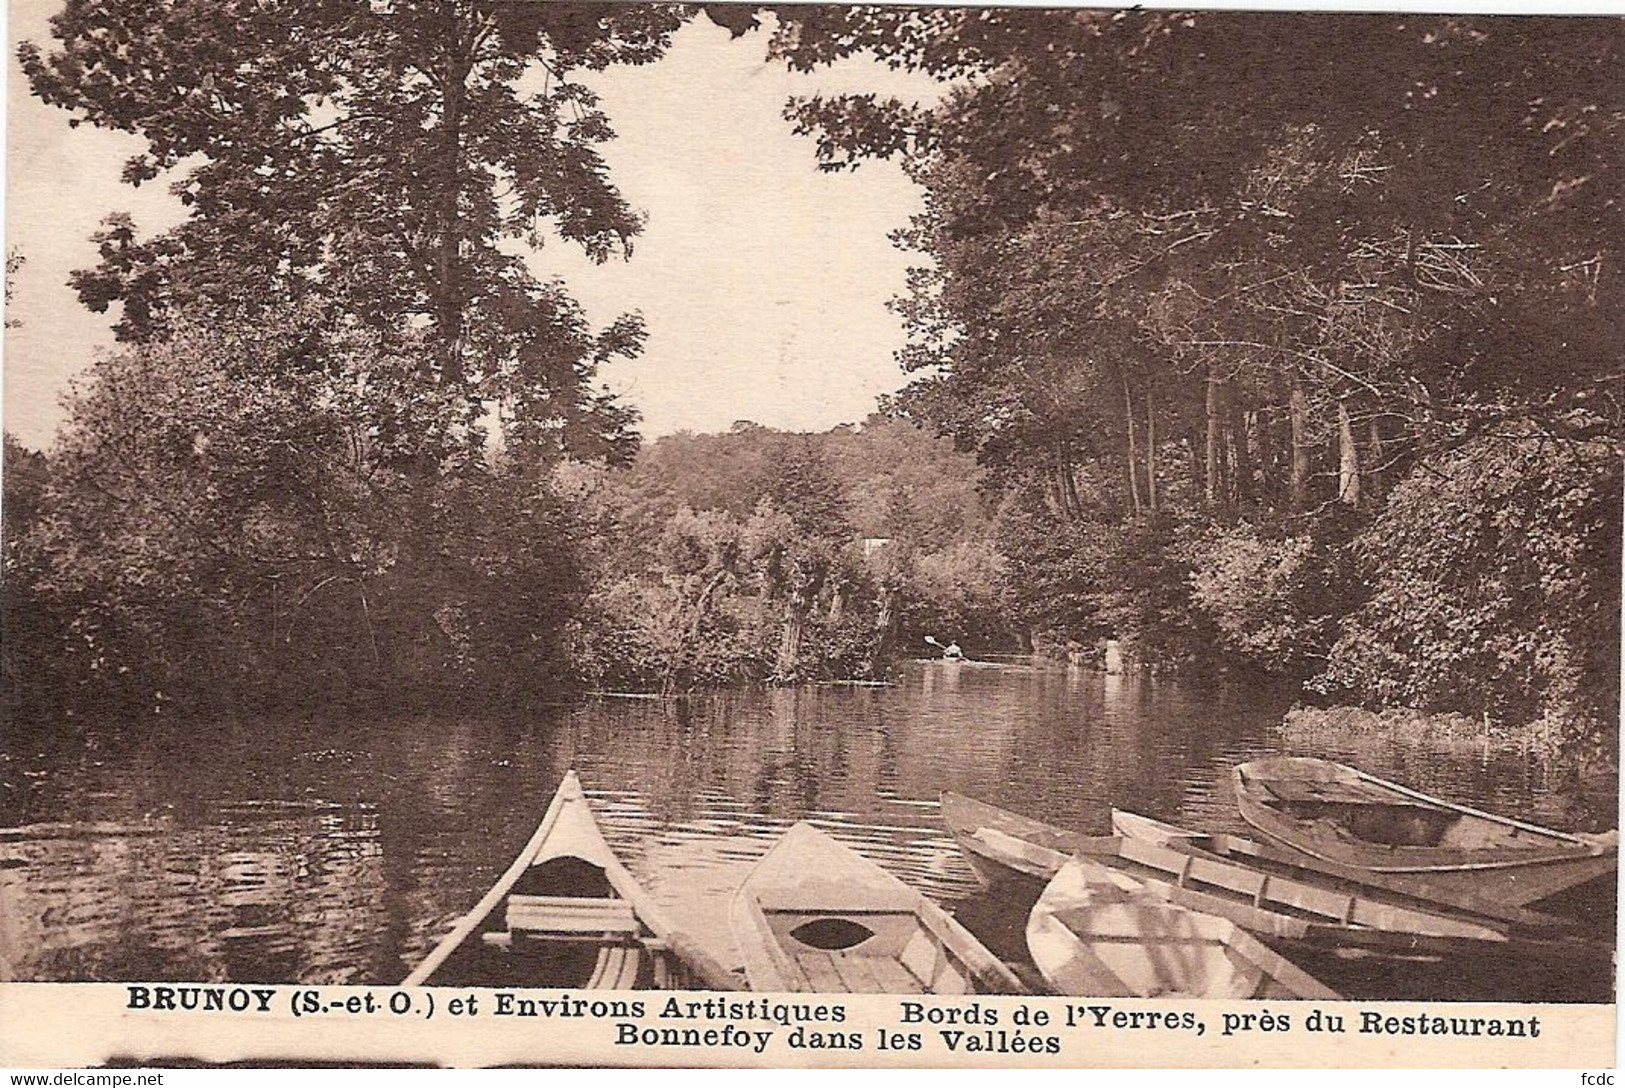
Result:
{"points": [[757, 1024]]}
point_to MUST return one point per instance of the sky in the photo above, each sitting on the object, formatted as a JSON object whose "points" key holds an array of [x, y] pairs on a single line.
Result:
{"points": [[762, 280]]}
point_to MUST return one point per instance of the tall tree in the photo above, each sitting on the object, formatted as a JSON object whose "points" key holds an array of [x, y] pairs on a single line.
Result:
{"points": [[387, 155], [1388, 209]]}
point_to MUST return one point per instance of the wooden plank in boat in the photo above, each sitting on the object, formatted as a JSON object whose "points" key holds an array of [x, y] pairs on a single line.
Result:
{"points": [[1340, 793], [1341, 907], [1368, 896], [893, 978], [1266, 888], [920, 957], [856, 977], [820, 973], [561, 915], [1200, 876], [1193, 871], [617, 969]]}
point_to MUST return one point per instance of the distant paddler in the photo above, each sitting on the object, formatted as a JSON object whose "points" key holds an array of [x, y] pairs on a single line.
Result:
{"points": [[950, 652]]}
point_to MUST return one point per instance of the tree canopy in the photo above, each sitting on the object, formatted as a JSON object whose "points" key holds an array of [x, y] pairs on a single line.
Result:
{"points": [[396, 157], [1221, 304]]}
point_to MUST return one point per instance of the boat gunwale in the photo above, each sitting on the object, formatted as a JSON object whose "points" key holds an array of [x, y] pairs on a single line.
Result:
{"points": [[1235, 936], [1274, 917], [1218, 845], [1588, 843]]}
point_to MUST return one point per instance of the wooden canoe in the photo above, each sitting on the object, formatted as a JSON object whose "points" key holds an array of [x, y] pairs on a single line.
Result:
{"points": [[1096, 932], [1274, 900], [568, 915], [816, 917], [1342, 815]]}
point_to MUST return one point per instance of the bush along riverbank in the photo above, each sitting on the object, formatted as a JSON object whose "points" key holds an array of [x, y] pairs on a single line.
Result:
{"points": [[1480, 589]]}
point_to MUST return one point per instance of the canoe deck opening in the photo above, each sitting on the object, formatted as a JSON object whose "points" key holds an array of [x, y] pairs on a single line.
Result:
{"points": [[565, 921], [565, 876], [832, 934]]}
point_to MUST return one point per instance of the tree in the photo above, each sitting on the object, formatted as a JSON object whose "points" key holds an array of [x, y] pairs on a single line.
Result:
{"points": [[1194, 225], [236, 513], [798, 535], [384, 156], [32, 630]]}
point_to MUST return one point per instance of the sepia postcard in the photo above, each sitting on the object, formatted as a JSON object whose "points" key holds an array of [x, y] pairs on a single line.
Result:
{"points": [[733, 535]]}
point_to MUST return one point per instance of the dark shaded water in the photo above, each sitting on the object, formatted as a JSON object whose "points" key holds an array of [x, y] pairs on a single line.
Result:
{"points": [[340, 853]]}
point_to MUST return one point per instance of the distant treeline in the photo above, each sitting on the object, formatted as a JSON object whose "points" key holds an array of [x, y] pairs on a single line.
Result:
{"points": [[153, 571], [759, 555]]}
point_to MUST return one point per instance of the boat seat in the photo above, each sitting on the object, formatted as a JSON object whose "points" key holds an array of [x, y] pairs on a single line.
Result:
{"points": [[561, 918], [618, 967]]}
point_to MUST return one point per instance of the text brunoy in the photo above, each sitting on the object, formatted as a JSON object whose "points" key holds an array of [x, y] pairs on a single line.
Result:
{"points": [[198, 998]]}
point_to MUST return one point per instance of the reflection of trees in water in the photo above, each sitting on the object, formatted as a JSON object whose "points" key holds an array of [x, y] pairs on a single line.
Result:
{"points": [[783, 753], [341, 853], [261, 900], [48, 911], [1046, 741]]}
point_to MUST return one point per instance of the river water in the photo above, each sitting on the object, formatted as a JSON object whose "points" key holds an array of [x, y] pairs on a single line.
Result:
{"points": [[339, 853]]}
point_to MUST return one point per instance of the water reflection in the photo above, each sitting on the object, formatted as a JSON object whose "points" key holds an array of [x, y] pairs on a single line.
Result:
{"points": [[332, 854]]}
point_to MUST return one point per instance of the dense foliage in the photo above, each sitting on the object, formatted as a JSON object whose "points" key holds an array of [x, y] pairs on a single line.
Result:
{"points": [[233, 516], [760, 555], [1292, 352], [322, 463], [1494, 586]]}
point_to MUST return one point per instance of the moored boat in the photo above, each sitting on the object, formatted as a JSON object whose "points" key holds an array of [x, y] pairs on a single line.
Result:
{"points": [[1339, 814], [567, 914], [1096, 932], [1277, 860], [815, 916], [1262, 894], [1005, 847]]}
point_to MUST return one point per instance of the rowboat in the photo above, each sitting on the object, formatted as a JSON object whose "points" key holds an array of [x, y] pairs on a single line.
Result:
{"points": [[1280, 861], [1096, 932], [1260, 894], [1339, 814], [815, 917], [1004, 847], [567, 914]]}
